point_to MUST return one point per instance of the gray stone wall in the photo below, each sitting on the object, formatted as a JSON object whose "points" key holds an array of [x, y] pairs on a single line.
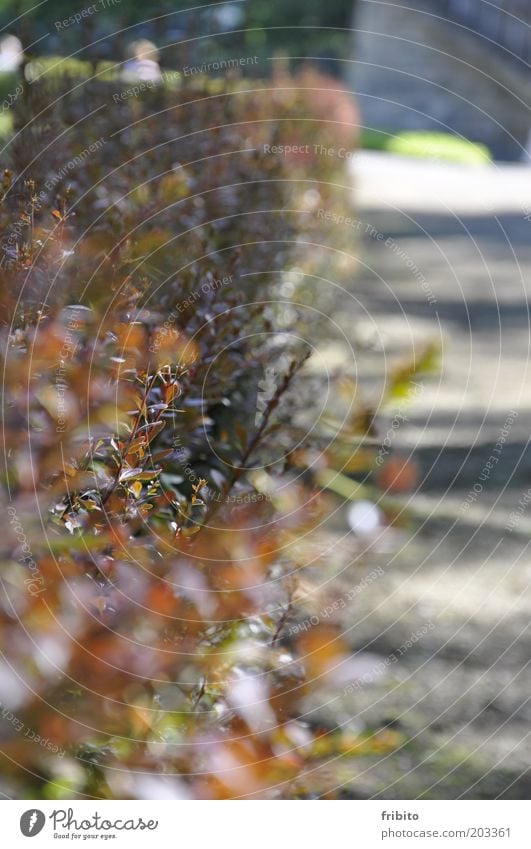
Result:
{"points": [[411, 69]]}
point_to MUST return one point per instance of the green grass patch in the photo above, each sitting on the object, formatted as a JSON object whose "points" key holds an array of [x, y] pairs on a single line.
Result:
{"points": [[427, 145]]}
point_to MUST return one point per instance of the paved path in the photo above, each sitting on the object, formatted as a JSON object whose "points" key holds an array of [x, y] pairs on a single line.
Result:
{"points": [[452, 264]]}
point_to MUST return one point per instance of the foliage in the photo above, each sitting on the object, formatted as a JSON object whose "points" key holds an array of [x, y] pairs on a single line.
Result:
{"points": [[161, 495], [298, 28]]}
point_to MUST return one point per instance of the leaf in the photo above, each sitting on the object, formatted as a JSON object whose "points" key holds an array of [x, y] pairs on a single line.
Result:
{"points": [[401, 383], [136, 444], [139, 475], [152, 429], [241, 433], [161, 455], [341, 484]]}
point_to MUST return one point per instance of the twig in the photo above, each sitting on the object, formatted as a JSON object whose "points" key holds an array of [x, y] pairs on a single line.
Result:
{"points": [[286, 613], [200, 694]]}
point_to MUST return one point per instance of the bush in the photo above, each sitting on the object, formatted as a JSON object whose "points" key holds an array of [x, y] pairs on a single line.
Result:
{"points": [[164, 456]]}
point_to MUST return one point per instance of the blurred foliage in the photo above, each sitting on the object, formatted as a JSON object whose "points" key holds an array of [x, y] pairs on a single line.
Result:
{"points": [[298, 29], [157, 530]]}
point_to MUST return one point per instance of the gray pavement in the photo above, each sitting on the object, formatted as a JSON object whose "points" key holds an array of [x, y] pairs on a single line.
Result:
{"points": [[452, 265]]}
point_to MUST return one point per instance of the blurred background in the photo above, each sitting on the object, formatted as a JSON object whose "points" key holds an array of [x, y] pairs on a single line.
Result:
{"points": [[427, 109]]}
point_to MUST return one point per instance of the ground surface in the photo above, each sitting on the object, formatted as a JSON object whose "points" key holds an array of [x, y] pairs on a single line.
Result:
{"points": [[460, 694]]}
